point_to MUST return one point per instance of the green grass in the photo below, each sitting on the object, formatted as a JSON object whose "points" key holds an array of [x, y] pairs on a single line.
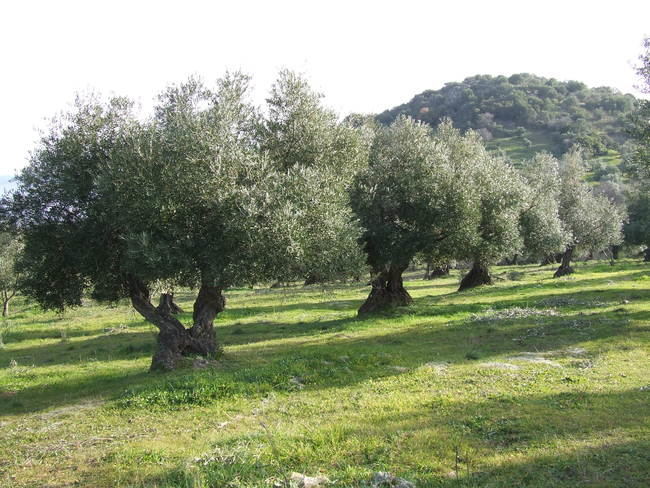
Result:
{"points": [[531, 382]]}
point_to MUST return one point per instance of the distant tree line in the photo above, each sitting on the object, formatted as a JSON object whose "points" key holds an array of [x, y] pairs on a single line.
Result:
{"points": [[566, 113]]}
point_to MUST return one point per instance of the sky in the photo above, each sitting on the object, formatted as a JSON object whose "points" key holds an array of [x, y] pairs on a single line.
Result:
{"points": [[364, 56]]}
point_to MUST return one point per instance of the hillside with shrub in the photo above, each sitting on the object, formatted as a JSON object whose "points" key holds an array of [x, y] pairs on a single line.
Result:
{"points": [[524, 114]]}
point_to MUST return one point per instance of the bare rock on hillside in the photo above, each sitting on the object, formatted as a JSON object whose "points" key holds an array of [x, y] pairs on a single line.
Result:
{"points": [[299, 480], [383, 479]]}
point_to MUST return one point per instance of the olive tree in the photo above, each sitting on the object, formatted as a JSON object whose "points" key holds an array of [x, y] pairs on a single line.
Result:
{"points": [[637, 228], [415, 196], [500, 193], [592, 221], [638, 160], [116, 206], [541, 228], [9, 250], [318, 156]]}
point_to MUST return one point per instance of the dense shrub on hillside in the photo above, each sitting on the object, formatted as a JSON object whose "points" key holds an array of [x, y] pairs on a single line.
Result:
{"points": [[567, 113]]}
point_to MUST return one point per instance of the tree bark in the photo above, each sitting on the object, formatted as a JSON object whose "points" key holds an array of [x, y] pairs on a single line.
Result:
{"points": [[387, 291], [208, 304], [312, 279], [174, 340], [477, 276], [646, 255], [550, 259], [438, 271], [615, 251], [565, 267], [167, 305], [6, 297]]}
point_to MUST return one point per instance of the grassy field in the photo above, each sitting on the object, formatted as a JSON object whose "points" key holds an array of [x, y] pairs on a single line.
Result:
{"points": [[531, 382]]}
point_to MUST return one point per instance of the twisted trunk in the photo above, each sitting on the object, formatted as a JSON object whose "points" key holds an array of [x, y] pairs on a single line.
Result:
{"points": [[477, 276], [387, 291], [208, 304], [6, 297], [565, 267], [174, 340], [166, 305]]}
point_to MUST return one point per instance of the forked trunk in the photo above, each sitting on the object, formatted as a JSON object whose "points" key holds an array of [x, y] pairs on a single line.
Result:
{"points": [[175, 341], [387, 291], [167, 306], [565, 267], [477, 276]]}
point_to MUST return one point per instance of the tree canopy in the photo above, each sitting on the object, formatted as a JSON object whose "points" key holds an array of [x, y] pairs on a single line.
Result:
{"points": [[591, 220], [190, 197]]}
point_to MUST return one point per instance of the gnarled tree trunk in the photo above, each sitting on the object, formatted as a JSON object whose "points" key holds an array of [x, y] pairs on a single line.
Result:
{"points": [[208, 304], [477, 276], [436, 271], [313, 278], [167, 305], [565, 267], [550, 259], [439, 271], [387, 291], [175, 340], [6, 297], [427, 273]]}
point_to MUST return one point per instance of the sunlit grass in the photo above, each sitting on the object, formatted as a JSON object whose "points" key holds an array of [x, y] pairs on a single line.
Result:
{"points": [[531, 382]]}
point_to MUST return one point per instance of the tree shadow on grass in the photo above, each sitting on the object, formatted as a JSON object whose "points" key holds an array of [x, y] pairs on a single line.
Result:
{"points": [[462, 340], [19, 333], [66, 391], [107, 347], [568, 327], [475, 431], [329, 361], [425, 337]]}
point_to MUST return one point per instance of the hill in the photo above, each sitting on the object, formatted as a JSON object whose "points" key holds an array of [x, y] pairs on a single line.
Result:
{"points": [[524, 113], [530, 382]]}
